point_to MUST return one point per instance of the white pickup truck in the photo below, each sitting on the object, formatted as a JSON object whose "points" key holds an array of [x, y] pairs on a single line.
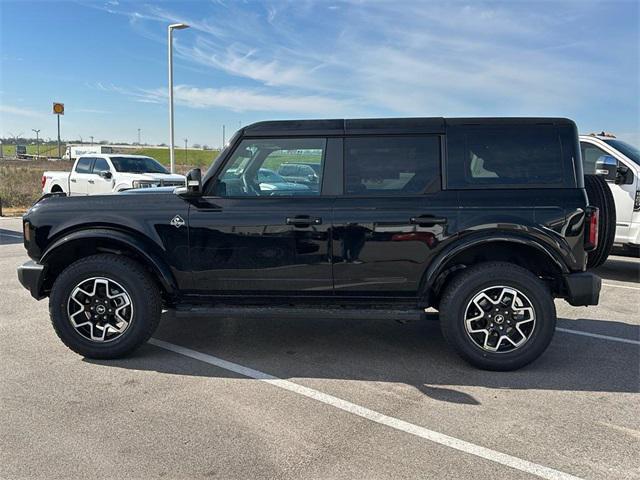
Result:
{"points": [[99, 174], [619, 163]]}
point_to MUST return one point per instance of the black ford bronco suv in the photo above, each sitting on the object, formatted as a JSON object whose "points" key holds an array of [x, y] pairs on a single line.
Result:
{"points": [[486, 220]]}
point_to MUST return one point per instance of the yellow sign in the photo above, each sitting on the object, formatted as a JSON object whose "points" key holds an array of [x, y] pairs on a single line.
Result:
{"points": [[58, 108]]}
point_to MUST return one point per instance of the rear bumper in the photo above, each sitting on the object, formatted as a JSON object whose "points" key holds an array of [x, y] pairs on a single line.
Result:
{"points": [[30, 275], [582, 288]]}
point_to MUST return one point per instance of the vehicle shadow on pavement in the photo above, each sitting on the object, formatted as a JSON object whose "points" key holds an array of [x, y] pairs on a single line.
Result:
{"points": [[10, 237], [619, 270], [412, 353]]}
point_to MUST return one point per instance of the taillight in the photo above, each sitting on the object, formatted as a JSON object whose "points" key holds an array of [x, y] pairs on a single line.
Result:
{"points": [[44, 180], [591, 235]]}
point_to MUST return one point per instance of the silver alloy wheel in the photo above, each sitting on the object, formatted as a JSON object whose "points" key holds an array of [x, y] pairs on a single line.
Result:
{"points": [[100, 309], [499, 319]]}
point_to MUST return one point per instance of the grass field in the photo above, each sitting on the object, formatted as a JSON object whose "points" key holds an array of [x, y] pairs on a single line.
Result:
{"points": [[45, 150], [199, 158]]}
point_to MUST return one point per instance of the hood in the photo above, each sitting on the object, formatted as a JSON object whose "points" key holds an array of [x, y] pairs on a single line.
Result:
{"points": [[148, 190]]}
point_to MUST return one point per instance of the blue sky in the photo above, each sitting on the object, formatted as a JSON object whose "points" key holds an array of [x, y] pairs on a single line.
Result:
{"points": [[246, 61]]}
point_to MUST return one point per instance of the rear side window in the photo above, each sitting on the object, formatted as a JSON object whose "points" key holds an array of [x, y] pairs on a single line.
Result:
{"points": [[84, 165], [391, 165], [502, 157]]}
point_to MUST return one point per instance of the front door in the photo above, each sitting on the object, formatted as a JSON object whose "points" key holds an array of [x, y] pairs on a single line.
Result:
{"points": [[99, 183], [255, 233], [623, 194]]}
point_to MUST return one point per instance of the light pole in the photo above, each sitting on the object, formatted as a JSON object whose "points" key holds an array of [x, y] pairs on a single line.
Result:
{"points": [[223, 136], [91, 137], [170, 29], [185, 150], [37, 141], [138, 136]]}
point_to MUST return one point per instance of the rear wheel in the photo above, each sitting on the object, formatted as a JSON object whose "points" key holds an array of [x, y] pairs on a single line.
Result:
{"points": [[104, 306], [497, 316], [600, 196]]}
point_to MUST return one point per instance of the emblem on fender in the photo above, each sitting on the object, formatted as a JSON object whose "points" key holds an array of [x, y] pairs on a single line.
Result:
{"points": [[177, 221]]}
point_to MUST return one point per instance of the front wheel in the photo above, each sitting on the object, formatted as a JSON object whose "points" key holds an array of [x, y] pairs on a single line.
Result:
{"points": [[498, 316], [104, 306]]}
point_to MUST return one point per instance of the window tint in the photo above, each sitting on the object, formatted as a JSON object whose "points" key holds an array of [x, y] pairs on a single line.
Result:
{"points": [[493, 156], [391, 165], [590, 153], [84, 165], [100, 165], [259, 168]]}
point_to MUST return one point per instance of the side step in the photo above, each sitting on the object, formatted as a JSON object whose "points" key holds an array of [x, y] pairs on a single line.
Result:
{"points": [[303, 312]]}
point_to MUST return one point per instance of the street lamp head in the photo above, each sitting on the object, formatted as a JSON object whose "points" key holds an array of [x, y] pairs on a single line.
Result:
{"points": [[178, 26]]}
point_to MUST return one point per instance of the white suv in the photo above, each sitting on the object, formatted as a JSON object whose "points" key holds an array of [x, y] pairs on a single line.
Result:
{"points": [[619, 163]]}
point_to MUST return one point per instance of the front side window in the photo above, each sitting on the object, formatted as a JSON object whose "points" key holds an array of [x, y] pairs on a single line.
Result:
{"points": [[503, 157], [590, 154], [100, 165], [263, 167], [84, 165], [391, 165]]}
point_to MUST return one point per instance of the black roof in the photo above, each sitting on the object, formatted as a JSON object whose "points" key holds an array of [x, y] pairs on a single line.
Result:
{"points": [[385, 125]]}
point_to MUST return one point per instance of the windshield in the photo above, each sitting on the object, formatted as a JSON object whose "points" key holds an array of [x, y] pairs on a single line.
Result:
{"points": [[627, 149], [268, 176], [137, 165]]}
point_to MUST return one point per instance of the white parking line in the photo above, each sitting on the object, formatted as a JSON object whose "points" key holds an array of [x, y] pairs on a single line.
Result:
{"points": [[422, 432], [620, 286], [597, 335]]}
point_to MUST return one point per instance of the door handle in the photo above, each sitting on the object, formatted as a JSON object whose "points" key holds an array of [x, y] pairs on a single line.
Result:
{"points": [[303, 221], [73, 180], [427, 220], [92, 181]]}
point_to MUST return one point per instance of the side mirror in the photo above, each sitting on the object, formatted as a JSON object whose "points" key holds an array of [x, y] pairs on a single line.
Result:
{"points": [[106, 174], [624, 175], [607, 166], [194, 182]]}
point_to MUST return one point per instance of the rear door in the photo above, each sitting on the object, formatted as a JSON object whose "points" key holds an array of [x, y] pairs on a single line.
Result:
{"points": [[392, 216], [80, 176], [262, 239]]}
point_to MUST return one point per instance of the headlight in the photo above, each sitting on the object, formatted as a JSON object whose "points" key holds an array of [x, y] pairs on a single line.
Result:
{"points": [[144, 184]]}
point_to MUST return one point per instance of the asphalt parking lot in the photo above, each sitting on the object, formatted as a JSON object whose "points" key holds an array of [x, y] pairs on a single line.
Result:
{"points": [[314, 398]]}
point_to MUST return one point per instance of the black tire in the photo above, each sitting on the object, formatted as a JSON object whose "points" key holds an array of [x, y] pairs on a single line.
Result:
{"points": [[142, 291], [460, 292], [600, 196]]}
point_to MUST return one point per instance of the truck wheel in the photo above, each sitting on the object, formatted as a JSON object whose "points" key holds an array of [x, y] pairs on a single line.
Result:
{"points": [[104, 306], [600, 196], [497, 316]]}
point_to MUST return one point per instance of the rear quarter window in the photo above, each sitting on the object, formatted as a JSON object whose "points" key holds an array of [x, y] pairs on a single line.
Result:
{"points": [[526, 156]]}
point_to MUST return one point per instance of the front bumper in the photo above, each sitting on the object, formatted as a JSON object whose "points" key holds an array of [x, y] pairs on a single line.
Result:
{"points": [[582, 288], [31, 275]]}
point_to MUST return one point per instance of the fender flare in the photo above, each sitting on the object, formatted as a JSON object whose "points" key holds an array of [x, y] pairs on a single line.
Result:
{"points": [[436, 266], [158, 265]]}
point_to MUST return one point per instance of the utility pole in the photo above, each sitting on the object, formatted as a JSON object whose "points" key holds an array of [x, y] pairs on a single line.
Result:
{"points": [[91, 137], [170, 29], [223, 136], [185, 150], [37, 142], [138, 136]]}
